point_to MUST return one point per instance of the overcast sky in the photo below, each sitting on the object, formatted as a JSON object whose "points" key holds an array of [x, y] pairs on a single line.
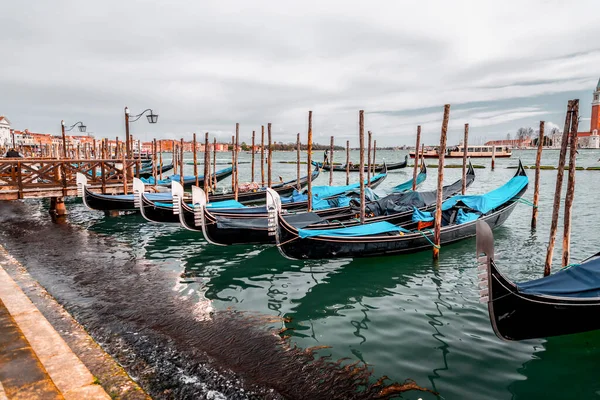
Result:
{"points": [[205, 65]]}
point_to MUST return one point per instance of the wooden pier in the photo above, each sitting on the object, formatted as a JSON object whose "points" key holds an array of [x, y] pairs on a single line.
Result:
{"points": [[26, 178]]}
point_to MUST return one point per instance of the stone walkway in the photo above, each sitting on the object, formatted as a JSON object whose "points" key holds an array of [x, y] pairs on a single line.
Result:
{"points": [[35, 362]]}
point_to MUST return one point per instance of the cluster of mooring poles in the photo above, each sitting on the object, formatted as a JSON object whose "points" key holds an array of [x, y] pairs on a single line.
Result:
{"points": [[569, 139]]}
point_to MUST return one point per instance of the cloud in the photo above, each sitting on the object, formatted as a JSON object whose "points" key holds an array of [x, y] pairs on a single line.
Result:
{"points": [[204, 66]]}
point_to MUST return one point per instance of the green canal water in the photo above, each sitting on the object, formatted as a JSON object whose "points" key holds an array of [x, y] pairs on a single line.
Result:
{"points": [[405, 316]]}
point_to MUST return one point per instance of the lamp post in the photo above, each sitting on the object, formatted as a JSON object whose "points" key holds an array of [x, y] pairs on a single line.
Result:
{"points": [[78, 124], [152, 119]]}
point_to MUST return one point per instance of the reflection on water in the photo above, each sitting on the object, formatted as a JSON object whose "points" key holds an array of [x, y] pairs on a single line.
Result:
{"points": [[405, 316]]}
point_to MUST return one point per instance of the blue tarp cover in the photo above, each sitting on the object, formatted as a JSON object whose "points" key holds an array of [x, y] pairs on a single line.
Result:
{"points": [[217, 204], [403, 187], [419, 215], [577, 281], [464, 217], [225, 204], [358, 230], [484, 203], [167, 181], [129, 197], [322, 192]]}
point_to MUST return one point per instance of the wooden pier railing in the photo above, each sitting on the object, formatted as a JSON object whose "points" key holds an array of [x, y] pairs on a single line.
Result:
{"points": [[33, 178]]}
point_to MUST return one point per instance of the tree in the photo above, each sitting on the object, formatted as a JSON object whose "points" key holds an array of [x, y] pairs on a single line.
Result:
{"points": [[547, 141], [523, 134], [244, 146]]}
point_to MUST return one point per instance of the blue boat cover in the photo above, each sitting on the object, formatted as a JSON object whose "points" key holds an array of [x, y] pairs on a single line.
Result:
{"points": [[176, 177], [129, 197], [322, 192], [577, 281], [485, 203], [403, 187], [375, 228], [424, 216], [225, 204]]}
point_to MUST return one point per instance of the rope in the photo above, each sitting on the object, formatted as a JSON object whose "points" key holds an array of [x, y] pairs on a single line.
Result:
{"points": [[339, 222], [526, 202], [570, 265], [287, 241], [429, 240]]}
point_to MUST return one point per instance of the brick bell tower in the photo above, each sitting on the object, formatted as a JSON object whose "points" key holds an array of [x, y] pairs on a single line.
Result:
{"points": [[596, 110]]}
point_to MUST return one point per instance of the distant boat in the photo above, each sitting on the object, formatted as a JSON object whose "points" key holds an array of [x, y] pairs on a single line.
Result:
{"points": [[472, 151]]}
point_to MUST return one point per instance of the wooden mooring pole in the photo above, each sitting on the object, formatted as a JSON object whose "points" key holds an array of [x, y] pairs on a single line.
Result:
{"points": [[214, 175], [181, 162], [557, 193], [236, 169], [493, 157], [160, 159], [262, 156], [195, 150], [233, 163], [361, 166], [465, 155], [347, 162], [174, 157], [570, 184], [536, 186], [154, 162], [299, 187], [416, 168], [207, 178], [374, 162], [440, 185], [252, 151], [369, 159], [309, 162], [331, 161], [270, 156]]}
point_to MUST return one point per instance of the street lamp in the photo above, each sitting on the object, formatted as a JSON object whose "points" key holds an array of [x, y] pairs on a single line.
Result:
{"points": [[152, 119], [78, 124]]}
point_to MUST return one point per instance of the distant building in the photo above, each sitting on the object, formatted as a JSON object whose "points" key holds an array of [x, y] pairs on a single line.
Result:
{"points": [[591, 139], [5, 136], [513, 143]]}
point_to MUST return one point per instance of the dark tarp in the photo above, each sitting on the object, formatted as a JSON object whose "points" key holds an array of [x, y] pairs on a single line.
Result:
{"points": [[403, 202], [577, 281]]}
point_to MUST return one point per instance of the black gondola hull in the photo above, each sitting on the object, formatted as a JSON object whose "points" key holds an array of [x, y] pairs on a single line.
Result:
{"points": [[156, 213], [294, 247], [519, 316], [103, 202]]}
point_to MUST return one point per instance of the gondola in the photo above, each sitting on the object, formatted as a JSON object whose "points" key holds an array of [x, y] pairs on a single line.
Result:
{"points": [[249, 225], [108, 202], [460, 214], [190, 180], [565, 302], [147, 172], [258, 196], [234, 226], [158, 211], [355, 168]]}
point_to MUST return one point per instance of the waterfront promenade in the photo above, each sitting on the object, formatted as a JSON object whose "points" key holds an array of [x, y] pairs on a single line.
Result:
{"points": [[36, 362]]}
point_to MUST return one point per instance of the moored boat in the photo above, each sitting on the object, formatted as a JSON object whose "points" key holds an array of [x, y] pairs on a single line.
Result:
{"points": [[472, 151], [459, 214], [565, 302], [355, 168]]}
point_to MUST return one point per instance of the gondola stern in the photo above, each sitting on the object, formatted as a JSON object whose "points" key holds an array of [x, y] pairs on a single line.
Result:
{"points": [[273, 203], [470, 169], [81, 181], [177, 194], [485, 255], [487, 272]]}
